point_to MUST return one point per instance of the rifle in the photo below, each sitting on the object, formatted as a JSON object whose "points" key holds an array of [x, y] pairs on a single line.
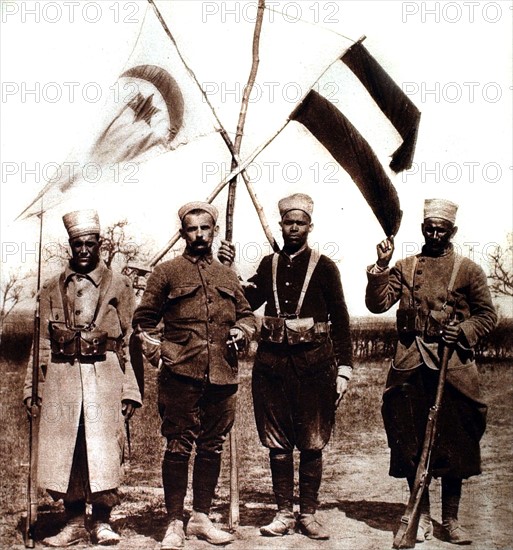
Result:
{"points": [[34, 416], [406, 535]]}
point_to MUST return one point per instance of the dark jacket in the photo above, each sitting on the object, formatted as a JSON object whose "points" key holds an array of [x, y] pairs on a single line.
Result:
{"points": [[199, 300], [324, 298], [425, 291]]}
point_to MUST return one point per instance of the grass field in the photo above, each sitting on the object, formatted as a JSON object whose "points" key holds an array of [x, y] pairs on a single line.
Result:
{"points": [[355, 483]]}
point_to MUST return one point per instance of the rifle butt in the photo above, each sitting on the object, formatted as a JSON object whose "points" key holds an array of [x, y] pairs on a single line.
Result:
{"points": [[406, 535]]}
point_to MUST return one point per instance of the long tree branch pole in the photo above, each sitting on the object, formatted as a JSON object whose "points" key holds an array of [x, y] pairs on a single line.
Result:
{"points": [[233, 515], [242, 165], [223, 132]]}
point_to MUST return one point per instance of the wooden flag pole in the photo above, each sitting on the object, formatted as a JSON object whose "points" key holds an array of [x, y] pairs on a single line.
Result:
{"points": [[234, 150], [234, 515]]}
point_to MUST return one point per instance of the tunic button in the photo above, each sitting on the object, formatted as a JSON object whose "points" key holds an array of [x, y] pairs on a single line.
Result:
{"points": [[210, 319], [78, 312], [209, 300], [79, 293], [287, 284], [419, 271], [416, 287]]}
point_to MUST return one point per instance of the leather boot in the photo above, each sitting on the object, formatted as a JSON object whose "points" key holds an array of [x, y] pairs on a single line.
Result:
{"points": [[451, 495], [282, 473], [175, 471], [282, 524], [175, 537], [310, 475], [201, 526], [207, 466], [74, 530], [102, 532], [72, 533], [310, 526]]}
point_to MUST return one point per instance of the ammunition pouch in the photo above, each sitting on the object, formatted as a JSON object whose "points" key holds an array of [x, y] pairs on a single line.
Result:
{"points": [[434, 324], [273, 330], [63, 341], [300, 331], [93, 342], [407, 322], [70, 344], [293, 331], [411, 322]]}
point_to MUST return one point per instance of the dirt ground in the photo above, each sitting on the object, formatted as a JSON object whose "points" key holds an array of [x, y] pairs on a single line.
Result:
{"points": [[364, 514], [361, 506]]}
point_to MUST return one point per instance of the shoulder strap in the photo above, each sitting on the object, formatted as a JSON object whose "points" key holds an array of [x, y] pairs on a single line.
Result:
{"points": [[411, 281], [276, 256], [455, 268], [314, 258], [312, 262]]}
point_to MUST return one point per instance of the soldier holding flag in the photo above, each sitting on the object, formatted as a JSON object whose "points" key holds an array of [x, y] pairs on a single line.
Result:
{"points": [[433, 288]]}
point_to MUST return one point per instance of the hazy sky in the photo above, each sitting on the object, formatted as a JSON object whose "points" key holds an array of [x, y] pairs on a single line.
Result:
{"points": [[60, 62]]}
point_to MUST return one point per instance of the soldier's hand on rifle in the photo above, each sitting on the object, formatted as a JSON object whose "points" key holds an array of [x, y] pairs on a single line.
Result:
{"points": [[451, 333], [32, 411], [237, 339], [226, 253], [128, 408], [385, 251]]}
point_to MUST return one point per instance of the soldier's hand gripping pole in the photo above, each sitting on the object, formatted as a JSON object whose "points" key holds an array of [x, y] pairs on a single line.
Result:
{"points": [[406, 535]]}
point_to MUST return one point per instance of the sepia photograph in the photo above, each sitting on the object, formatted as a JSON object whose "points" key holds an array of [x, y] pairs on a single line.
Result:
{"points": [[256, 285]]}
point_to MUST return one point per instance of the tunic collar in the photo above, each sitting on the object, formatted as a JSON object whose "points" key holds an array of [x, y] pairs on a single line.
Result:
{"points": [[446, 252], [195, 259], [95, 276], [294, 255]]}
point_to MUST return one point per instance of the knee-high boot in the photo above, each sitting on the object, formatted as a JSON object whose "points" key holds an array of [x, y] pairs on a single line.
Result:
{"points": [[175, 469], [207, 466], [282, 472], [310, 475]]}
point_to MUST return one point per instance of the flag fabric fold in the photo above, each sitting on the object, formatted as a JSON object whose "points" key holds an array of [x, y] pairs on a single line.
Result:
{"points": [[350, 149], [394, 103], [157, 108]]}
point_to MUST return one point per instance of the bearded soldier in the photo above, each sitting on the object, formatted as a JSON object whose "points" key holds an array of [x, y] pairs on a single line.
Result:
{"points": [[441, 295], [206, 319], [87, 386]]}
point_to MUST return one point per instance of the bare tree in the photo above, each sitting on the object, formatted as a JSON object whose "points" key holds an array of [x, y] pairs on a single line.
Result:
{"points": [[118, 249], [11, 294], [501, 269]]}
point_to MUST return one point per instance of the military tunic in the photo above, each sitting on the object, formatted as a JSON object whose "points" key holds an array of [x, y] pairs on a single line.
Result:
{"points": [[294, 386], [199, 300], [91, 390], [420, 284]]}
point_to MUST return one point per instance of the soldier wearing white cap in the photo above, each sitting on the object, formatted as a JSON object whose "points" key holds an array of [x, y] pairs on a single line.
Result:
{"points": [[302, 366], [432, 288], [88, 385], [206, 319]]}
